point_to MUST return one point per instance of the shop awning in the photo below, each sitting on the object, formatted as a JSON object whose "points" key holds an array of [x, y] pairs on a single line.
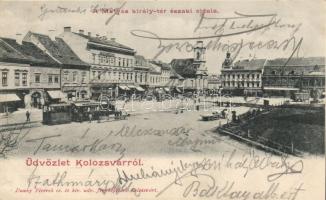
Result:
{"points": [[281, 88], [167, 89], [56, 94], [123, 87], [132, 87], [140, 89], [9, 97]]}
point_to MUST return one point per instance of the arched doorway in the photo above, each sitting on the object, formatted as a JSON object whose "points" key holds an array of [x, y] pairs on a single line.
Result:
{"points": [[36, 100]]}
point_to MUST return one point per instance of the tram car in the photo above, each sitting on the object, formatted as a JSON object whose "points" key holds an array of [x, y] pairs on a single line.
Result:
{"points": [[57, 114], [81, 111]]}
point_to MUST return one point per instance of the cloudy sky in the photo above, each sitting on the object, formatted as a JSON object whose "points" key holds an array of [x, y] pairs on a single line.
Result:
{"points": [[285, 23]]}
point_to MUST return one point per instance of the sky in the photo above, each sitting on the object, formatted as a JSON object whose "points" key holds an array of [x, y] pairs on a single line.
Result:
{"points": [[278, 29]]}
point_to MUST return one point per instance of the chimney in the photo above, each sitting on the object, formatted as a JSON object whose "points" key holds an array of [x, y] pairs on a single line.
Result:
{"points": [[81, 31], [89, 34], [113, 39], [67, 29]]}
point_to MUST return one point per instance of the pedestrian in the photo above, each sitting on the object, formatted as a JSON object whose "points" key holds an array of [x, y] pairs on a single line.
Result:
{"points": [[90, 117], [28, 116]]}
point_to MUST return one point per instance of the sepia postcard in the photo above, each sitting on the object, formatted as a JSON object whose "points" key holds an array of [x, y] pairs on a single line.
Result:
{"points": [[162, 100]]}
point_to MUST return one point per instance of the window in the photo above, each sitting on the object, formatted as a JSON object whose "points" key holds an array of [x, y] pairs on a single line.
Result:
{"points": [[37, 78], [119, 62], [24, 79], [253, 76], [56, 79], [94, 74], [50, 79], [17, 78], [123, 62], [123, 76], [4, 78], [94, 57], [66, 75], [83, 78], [198, 56], [130, 76], [127, 76], [112, 60], [119, 76], [257, 75], [74, 76]]}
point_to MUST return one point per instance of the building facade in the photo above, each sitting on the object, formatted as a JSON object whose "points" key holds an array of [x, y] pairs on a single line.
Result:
{"points": [[243, 77], [142, 74], [112, 64], [74, 73], [214, 83], [290, 78]]}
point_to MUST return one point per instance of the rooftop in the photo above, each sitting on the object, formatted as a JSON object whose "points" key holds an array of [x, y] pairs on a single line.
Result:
{"points": [[60, 50], [184, 67]]}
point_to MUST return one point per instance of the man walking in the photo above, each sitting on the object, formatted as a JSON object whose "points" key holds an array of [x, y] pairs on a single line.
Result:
{"points": [[28, 115]]}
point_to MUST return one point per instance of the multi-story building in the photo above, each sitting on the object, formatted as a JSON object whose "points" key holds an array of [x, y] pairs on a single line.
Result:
{"points": [[142, 74], [44, 74], [160, 75], [112, 64], [74, 74], [15, 75], [213, 83], [292, 77], [243, 77], [193, 70]]}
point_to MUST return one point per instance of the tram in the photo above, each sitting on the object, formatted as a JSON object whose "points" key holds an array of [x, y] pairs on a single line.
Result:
{"points": [[81, 111]]}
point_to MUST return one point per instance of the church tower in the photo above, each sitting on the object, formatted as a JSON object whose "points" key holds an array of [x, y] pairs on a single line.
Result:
{"points": [[199, 55], [199, 63]]}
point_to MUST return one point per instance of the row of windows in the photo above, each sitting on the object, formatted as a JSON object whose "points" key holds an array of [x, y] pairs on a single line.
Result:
{"points": [[74, 76], [241, 84], [100, 75], [241, 75], [110, 60], [158, 79], [52, 78], [20, 79]]}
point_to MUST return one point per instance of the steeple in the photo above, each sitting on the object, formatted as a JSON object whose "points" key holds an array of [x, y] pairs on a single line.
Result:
{"points": [[227, 62], [199, 52]]}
